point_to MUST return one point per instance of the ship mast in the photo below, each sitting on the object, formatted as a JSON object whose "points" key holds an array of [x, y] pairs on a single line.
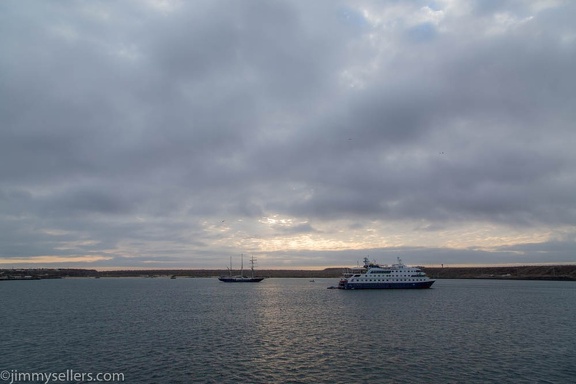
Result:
{"points": [[252, 265]]}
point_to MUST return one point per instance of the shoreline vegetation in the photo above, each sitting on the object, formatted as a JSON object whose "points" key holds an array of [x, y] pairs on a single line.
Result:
{"points": [[548, 272]]}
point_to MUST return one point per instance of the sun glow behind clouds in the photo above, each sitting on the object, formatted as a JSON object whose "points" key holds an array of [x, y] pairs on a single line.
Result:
{"points": [[276, 233]]}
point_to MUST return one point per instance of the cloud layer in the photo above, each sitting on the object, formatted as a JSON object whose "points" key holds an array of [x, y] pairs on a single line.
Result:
{"points": [[174, 134]]}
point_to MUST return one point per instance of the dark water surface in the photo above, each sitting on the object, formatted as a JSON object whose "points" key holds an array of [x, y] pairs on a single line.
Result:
{"points": [[291, 331]]}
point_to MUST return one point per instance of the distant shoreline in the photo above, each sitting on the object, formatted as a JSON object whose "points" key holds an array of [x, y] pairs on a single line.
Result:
{"points": [[528, 272]]}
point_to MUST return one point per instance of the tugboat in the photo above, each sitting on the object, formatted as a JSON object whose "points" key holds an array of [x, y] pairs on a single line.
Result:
{"points": [[241, 278], [395, 276]]}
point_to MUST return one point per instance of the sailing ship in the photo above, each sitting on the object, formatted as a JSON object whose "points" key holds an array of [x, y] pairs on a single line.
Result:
{"points": [[241, 278]]}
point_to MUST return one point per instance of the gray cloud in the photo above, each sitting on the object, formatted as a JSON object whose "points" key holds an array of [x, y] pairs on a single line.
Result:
{"points": [[170, 133]]}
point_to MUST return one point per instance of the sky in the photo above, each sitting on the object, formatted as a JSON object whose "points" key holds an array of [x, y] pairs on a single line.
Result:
{"points": [[308, 134]]}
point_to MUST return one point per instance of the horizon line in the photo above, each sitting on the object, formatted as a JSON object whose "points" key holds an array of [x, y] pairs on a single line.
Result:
{"points": [[295, 268]]}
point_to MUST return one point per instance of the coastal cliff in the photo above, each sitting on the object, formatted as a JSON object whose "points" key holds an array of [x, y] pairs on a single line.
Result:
{"points": [[526, 272]]}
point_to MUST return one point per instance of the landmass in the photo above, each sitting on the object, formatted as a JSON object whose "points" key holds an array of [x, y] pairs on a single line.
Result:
{"points": [[534, 272]]}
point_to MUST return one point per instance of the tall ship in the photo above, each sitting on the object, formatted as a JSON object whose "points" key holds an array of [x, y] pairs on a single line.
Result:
{"points": [[374, 276], [241, 278]]}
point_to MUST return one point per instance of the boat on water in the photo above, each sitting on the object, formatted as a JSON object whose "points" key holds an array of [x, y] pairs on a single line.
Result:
{"points": [[375, 276], [241, 278]]}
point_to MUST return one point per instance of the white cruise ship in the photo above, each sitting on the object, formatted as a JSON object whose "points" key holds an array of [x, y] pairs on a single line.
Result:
{"points": [[374, 276]]}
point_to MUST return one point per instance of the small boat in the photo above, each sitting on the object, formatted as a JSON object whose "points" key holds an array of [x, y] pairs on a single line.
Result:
{"points": [[374, 276], [241, 278]]}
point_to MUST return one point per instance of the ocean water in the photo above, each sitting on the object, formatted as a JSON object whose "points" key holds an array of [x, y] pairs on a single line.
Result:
{"points": [[290, 331]]}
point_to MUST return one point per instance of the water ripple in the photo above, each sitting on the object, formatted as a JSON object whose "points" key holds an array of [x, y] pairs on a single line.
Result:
{"points": [[291, 331]]}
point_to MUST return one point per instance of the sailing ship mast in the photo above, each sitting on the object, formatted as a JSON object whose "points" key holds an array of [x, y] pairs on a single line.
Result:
{"points": [[241, 278], [252, 260]]}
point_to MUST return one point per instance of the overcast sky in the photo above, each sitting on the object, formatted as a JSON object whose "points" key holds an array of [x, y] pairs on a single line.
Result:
{"points": [[175, 134]]}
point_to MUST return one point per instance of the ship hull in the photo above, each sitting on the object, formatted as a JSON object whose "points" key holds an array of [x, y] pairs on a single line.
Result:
{"points": [[410, 285], [241, 280]]}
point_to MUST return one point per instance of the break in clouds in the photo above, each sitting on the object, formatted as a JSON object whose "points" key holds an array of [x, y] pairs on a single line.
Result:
{"points": [[309, 134]]}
